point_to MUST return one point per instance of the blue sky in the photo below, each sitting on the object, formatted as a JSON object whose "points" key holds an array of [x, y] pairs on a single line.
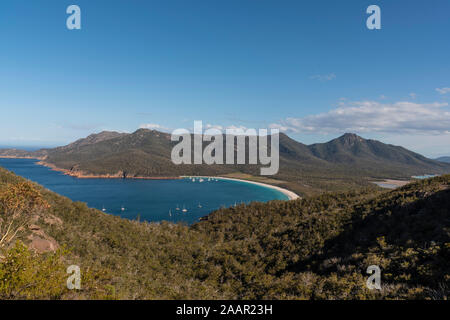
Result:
{"points": [[311, 68]]}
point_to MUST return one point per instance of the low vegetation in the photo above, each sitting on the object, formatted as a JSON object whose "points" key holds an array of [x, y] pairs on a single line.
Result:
{"points": [[314, 248]]}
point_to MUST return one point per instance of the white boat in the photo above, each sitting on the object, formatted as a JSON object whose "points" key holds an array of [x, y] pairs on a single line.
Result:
{"points": [[177, 208], [184, 209], [199, 205], [103, 209], [170, 213], [122, 208], [201, 180]]}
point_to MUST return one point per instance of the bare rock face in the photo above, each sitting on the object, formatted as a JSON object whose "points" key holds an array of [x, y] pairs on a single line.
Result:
{"points": [[34, 228], [41, 245], [53, 220], [40, 241]]}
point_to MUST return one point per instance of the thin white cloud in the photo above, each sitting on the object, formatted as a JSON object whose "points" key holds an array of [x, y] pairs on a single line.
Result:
{"points": [[373, 117], [232, 129], [229, 129], [443, 90], [324, 77], [212, 126], [153, 126]]}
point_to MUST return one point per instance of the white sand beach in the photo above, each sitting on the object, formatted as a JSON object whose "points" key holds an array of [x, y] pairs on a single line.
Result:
{"points": [[291, 195]]}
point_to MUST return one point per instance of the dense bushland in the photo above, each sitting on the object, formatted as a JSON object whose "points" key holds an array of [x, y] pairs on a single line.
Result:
{"points": [[314, 248]]}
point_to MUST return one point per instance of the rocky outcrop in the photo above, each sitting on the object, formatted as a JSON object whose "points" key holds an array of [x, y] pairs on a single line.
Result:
{"points": [[40, 241]]}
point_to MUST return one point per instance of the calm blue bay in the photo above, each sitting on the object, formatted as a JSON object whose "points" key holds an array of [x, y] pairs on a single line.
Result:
{"points": [[150, 199]]}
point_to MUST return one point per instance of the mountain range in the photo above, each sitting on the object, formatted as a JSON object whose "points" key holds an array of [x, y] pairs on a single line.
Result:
{"points": [[443, 159], [339, 164]]}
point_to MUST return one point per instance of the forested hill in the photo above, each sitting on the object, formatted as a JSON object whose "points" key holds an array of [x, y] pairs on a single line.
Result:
{"points": [[314, 248], [444, 159], [340, 164]]}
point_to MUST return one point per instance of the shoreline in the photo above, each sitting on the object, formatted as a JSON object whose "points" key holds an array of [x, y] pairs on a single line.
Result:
{"points": [[119, 175], [18, 157], [83, 175], [291, 195], [391, 183]]}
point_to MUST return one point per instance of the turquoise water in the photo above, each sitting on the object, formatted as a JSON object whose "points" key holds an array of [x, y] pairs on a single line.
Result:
{"points": [[426, 176], [150, 199]]}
